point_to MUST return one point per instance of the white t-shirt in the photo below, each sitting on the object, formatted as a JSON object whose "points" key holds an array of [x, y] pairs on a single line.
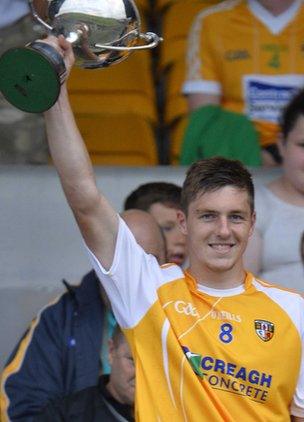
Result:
{"points": [[281, 225]]}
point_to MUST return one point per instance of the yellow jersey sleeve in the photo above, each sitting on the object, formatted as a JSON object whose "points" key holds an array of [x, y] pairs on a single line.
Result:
{"points": [[202, 67]]}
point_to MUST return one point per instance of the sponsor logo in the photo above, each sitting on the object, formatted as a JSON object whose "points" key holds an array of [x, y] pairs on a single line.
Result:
{"points": [[195, 361], [265, 99], [225, 315], [230, 377], [264, 329], [275, 50], [232, 55], [185, 308]]}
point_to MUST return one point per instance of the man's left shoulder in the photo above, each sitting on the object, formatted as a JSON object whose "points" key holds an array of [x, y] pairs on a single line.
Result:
{"points": [[291, 301]]}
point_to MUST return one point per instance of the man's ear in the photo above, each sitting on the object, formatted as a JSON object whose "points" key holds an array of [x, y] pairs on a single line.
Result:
{"points": [[182, 221]]}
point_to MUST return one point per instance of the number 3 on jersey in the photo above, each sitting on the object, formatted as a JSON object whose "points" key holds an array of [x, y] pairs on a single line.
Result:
{"points": [[226, 333]]}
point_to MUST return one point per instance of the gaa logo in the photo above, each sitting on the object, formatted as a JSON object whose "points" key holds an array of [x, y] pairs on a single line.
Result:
{"points": [[264, 329], [185, 308]]}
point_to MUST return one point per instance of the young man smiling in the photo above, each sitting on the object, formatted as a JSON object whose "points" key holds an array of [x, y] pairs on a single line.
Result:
{"points": [[218, 219], [213, 343]]}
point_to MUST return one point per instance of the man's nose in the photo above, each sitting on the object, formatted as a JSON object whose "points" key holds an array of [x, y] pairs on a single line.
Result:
{"points": [[223, 228]]}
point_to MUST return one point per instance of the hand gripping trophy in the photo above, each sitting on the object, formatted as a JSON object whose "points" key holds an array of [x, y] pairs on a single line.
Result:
{"points": [[102, 32]]}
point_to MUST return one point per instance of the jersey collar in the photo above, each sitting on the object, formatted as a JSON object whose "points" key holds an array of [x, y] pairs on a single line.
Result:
{"points": [[275, 24], [199, 288], [221, 292]]}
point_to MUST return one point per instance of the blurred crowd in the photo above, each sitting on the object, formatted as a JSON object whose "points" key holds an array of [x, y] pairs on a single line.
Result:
{"points": [[216, 85]]}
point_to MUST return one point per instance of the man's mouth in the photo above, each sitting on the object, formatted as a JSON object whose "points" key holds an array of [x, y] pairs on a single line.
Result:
{"points": [[177, 258], [222, 247]]}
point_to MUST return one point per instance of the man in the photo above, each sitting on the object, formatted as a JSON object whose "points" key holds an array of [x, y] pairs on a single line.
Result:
{"points": [[65, 348], [244, 57], [111, 400], [163, 201], [210, 343]]}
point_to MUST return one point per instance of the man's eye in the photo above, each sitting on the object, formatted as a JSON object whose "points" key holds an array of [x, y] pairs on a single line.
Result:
{"points": [[207, 217], [236, 217], [166, 229]]}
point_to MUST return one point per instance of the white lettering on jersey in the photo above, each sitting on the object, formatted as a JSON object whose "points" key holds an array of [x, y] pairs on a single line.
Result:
{"points": [[224, 315], [185, 308]]}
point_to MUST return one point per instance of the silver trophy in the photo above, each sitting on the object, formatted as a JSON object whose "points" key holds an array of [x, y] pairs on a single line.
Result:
{"points": [[102, 32]]}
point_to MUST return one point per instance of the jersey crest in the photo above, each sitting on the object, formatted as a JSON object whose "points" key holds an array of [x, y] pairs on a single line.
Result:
{"points": [[264, 329]]}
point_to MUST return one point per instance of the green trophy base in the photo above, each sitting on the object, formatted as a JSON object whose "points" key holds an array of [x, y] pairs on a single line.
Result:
{"points": [[31, 76]]}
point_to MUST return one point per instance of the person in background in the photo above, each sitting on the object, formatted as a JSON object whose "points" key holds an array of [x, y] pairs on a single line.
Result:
{"points": [[163, 201], [273, 250], [245, 59], [22, 135], [66, 347], [112, 400]]}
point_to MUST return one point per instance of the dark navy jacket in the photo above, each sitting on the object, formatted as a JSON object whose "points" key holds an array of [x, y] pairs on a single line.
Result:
{"points": [[59, 354], [94, 404]]}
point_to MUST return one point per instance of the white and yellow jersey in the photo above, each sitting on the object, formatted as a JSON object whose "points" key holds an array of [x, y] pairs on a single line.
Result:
{"points": [[205, 354], [252, 59]]}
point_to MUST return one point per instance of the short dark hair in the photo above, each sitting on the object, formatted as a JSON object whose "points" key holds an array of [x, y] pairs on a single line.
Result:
{"points": [[291, 113], [212, 174], [148, 194]]}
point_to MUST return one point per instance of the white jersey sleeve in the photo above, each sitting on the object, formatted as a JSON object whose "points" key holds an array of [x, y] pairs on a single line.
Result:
{"points": [[293, 304], [133, 279], [297, 405]]}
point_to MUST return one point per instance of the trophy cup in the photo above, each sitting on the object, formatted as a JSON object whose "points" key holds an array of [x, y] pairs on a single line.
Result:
{"points": [[102, 33]]}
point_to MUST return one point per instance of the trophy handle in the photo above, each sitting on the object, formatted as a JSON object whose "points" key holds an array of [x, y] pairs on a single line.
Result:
{"points": [[37, 17], [150, 38]]}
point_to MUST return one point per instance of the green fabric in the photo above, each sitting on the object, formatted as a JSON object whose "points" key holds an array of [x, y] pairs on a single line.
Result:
{"points": [[109, 327], [213, 131]]}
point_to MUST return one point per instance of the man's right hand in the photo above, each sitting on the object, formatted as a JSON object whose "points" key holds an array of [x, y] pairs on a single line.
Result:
{"points": [[64, 48]]}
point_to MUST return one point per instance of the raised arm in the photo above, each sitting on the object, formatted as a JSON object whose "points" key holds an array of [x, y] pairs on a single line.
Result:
{"points": [[97, 220]]}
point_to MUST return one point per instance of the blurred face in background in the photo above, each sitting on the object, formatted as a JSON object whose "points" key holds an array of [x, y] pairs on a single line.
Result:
{"points": [[122, 378], [147, 233], [292, 152], [276, 7], [167, 219]]}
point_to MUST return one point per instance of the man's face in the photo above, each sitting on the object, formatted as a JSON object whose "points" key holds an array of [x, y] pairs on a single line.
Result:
{"points": [[292, 152], [218, 226], [122, 377], [167, 219]]}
